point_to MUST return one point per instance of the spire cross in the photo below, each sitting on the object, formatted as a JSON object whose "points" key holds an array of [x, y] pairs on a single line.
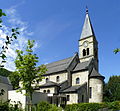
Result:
{"points": [[86, 10]]}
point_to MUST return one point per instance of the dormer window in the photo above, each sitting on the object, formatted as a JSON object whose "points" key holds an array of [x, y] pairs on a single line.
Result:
{"points": [[78, 80], [57, 79], [47, 80]]}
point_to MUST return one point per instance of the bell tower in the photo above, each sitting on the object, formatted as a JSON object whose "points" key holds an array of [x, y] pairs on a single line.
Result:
{"points": [[88, 45]]}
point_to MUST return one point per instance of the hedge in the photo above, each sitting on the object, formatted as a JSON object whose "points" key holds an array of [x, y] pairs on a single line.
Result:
{"points": [[93, 106], [44, 106]]}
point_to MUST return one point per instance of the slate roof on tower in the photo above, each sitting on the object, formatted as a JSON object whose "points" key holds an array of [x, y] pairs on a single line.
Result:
{"points": [[87, 27], [94, 73]]}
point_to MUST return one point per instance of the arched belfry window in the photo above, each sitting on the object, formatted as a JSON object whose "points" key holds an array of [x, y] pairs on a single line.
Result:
{"points": [[78, 80], [44, 91], [57, 79], [47, 79], [48, 91], [87, 51], [84, 52]]}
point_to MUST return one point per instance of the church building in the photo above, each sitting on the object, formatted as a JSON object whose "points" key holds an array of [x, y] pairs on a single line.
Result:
{"points": [[76, 79]]}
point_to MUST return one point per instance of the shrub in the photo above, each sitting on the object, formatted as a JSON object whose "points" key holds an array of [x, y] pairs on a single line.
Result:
{"points": [[45, 106], [83, 107], [113, 105], [5, 106], [93, 106]]}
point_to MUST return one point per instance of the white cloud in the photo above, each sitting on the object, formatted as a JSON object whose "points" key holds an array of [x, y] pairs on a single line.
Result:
{"points": [[14, 20]]}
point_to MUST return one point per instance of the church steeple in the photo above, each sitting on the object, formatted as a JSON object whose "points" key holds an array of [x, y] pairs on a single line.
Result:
{"points": [[87, 27], [88, 45]]}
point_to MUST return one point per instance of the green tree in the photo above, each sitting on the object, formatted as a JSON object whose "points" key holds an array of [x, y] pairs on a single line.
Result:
{"points": [[27, 71], [8, 40], [112, 89], [14, 78], [4, 72], [116, 51]]}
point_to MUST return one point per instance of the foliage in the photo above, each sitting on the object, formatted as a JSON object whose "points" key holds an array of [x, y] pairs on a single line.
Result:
{"points": [[5, 106], [45, 106], [116, 51], [93, 106], [83, 107], [9, 39], [26, 69], [113, 105], [112, 89], [4, 72], [14, 78]]}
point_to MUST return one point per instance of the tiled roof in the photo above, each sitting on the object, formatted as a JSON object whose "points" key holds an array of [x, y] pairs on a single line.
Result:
{"points": [[81, 66], [62, 65], [73, 88], [58, 66], [49, 84]]}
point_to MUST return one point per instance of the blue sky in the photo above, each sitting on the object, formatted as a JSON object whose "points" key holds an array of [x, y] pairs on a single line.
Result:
{"points": [[56, 26]]}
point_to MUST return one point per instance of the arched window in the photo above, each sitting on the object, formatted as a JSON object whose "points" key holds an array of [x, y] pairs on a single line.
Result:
{"points": [[90, 92], [78, 80], [84, 52], [68, 97], [48, 91], [82, 98], [47, 79], [44, 91], [57, 79], [87, 51]]}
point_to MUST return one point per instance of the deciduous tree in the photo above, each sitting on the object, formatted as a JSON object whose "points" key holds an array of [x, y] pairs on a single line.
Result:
{"points": [[27, 71]]}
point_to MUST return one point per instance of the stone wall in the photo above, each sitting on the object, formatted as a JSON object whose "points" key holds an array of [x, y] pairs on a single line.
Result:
{"points": [[52, 89], [83, 75], [97, 90], [52, 77], [73, 98], [90, 41], [6, 88]]}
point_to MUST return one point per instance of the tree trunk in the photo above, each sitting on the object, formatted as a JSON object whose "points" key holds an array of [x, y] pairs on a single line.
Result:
{"points": [[30, 103]]}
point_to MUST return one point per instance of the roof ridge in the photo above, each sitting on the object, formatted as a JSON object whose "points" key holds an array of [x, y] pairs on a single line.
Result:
{"points": [[59, 60]]}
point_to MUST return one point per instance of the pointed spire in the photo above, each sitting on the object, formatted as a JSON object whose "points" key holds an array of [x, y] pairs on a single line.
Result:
{"points": [[87, 27]]}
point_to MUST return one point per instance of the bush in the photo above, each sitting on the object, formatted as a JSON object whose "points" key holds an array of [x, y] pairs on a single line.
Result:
{"points": [[5, 106], [113, 105], [45, 106], [93, 106], [83, 107]]}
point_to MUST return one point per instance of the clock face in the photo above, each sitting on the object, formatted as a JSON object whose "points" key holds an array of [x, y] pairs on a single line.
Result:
{"points": [[85, 44]]}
